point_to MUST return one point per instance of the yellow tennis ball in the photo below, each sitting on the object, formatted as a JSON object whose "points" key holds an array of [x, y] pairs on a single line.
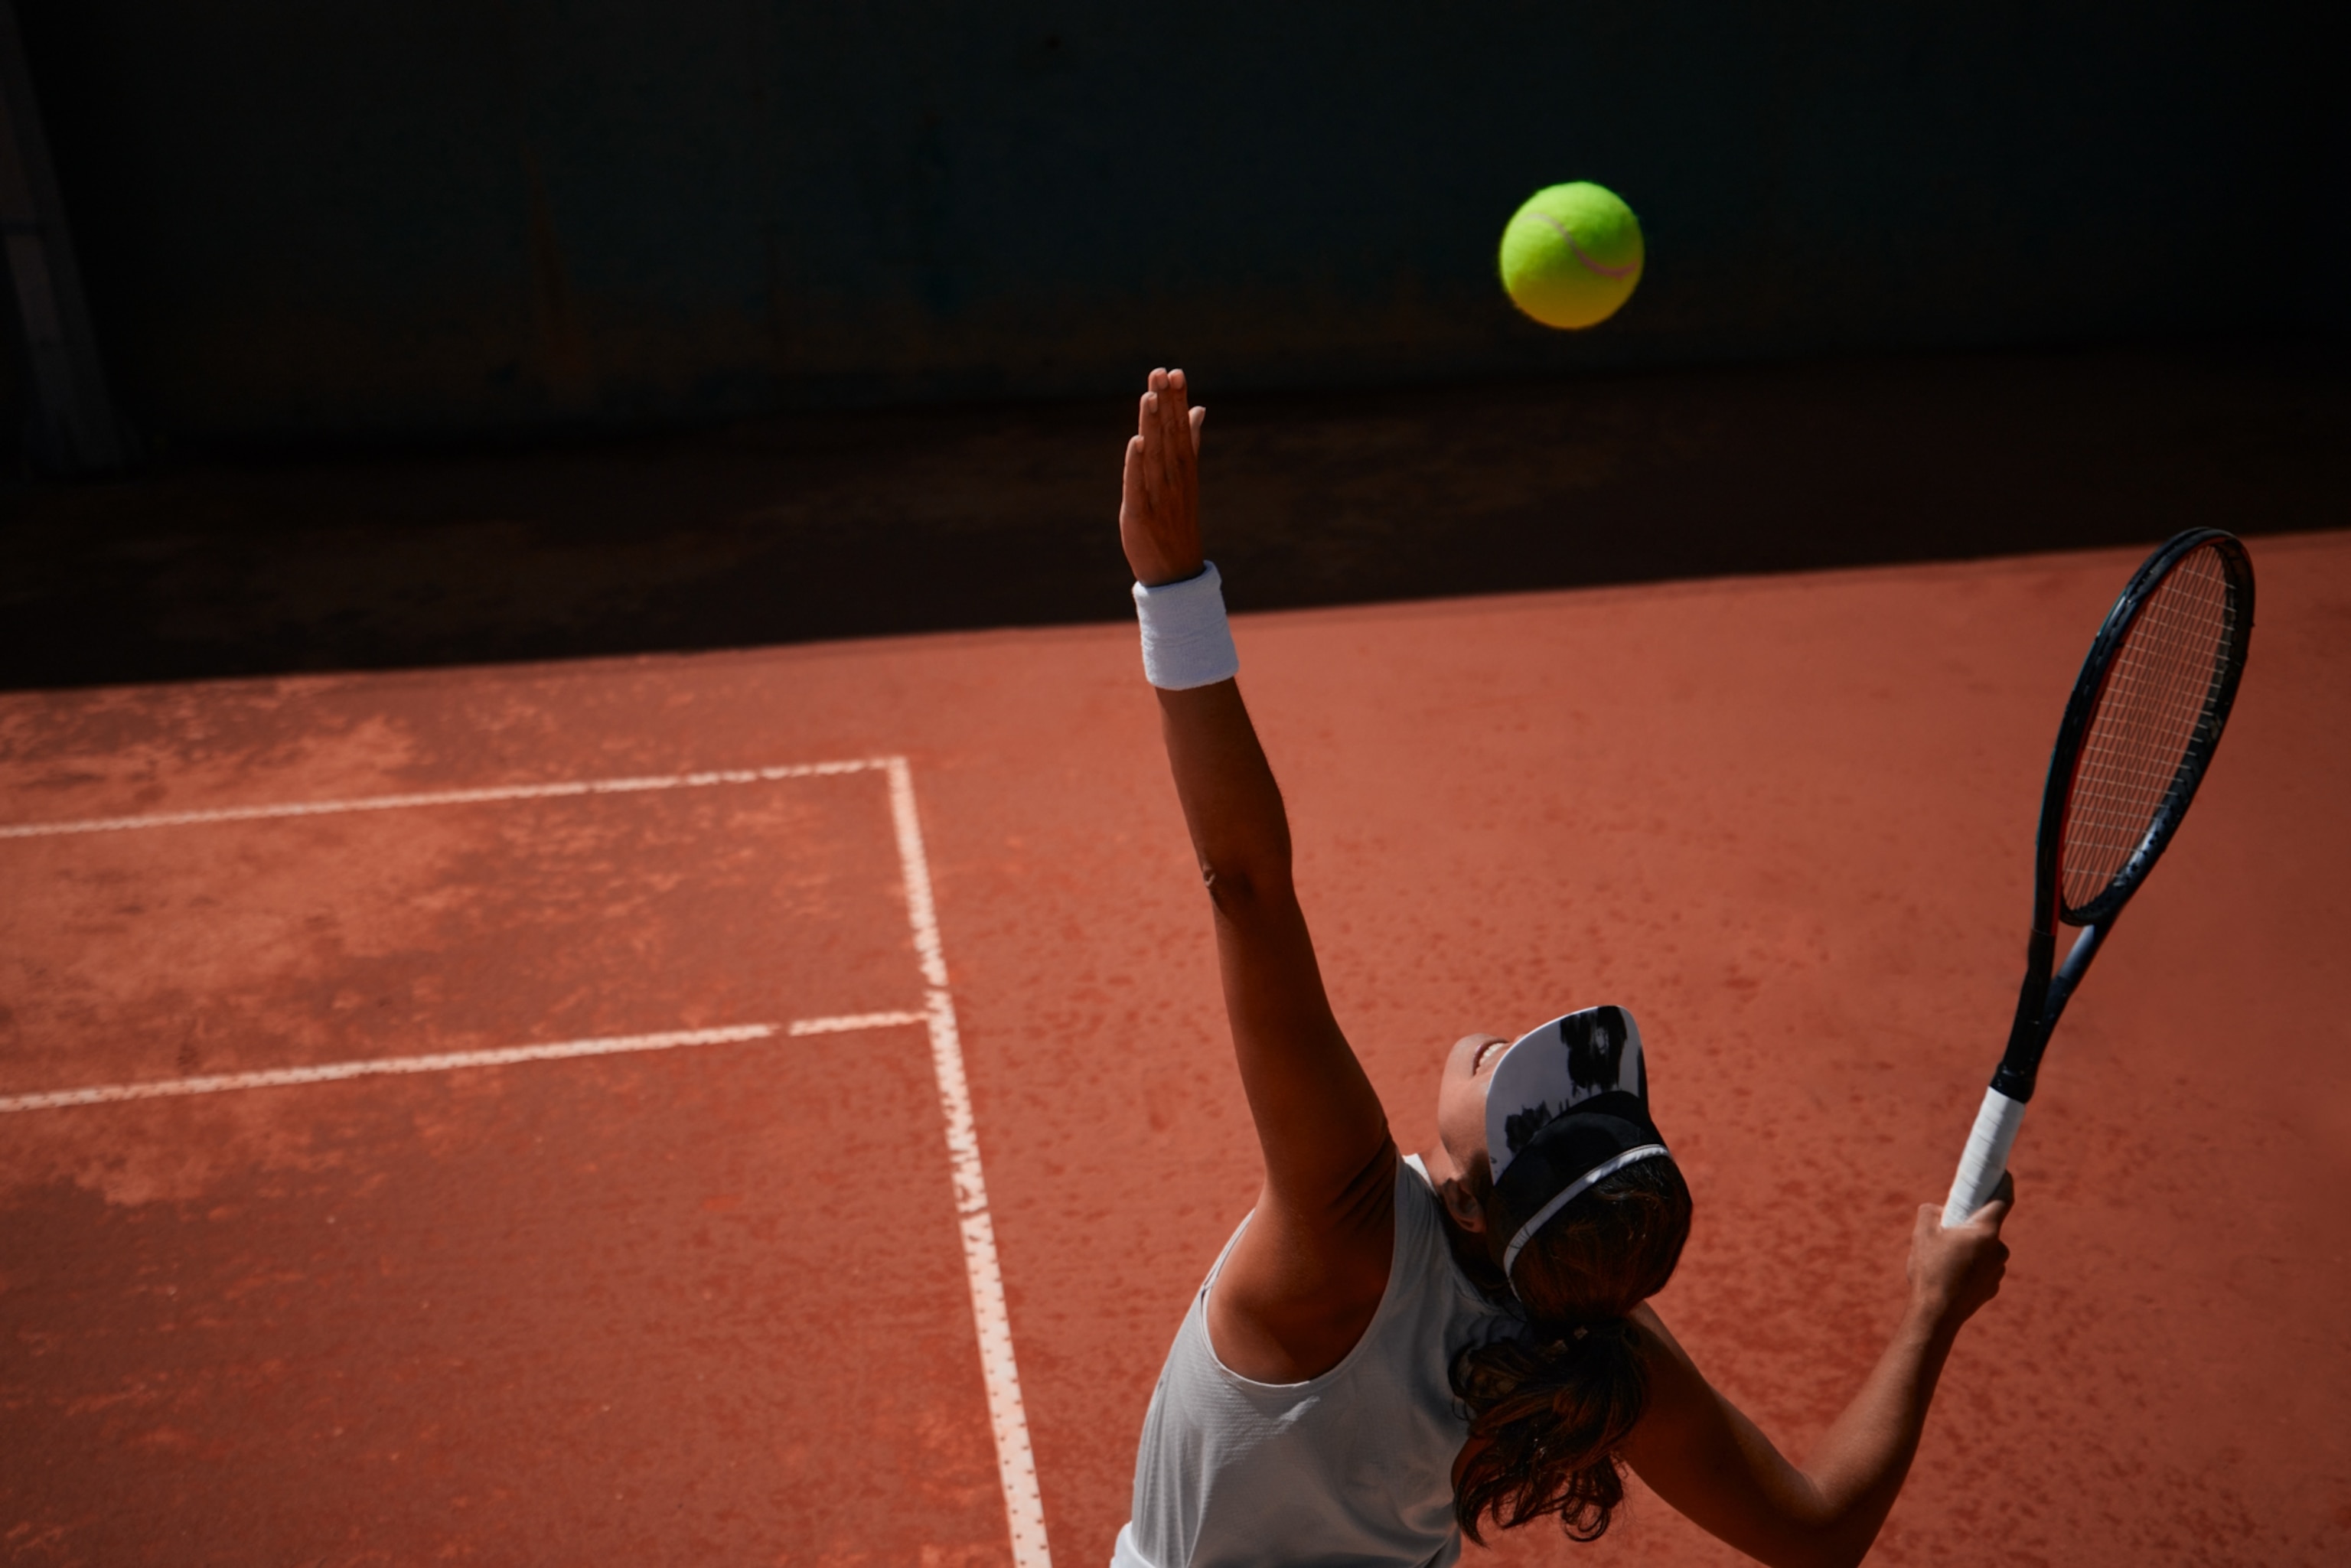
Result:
{"points": [[1572, 255]]}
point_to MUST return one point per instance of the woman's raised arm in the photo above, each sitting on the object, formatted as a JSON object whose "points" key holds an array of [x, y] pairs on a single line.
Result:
{"points": [[1301, 1286]]}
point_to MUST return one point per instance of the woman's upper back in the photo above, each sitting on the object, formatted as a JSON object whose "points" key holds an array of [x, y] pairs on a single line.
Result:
{"points": [[1354, 1467]]}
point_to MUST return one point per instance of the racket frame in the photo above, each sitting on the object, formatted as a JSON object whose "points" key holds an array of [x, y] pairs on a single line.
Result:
{"points": [[2042, 999], [2048, 986]]}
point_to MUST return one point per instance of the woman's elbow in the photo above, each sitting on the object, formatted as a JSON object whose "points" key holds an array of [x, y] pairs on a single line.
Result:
{"points": [[1246, 888]]}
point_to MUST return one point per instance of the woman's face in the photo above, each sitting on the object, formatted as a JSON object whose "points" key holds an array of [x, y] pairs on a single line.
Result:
{"points": [[1461, 1108]]}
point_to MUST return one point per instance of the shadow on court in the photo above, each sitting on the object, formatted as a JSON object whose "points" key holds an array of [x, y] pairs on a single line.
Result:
{"points": [[816, 527]]}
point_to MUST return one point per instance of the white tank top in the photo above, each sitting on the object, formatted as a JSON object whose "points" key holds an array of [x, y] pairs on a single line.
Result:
{"points": [[1350, 1470]]}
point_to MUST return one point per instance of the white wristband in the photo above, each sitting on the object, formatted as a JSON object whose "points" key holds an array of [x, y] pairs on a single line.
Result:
{"points": [[1186, 642]]}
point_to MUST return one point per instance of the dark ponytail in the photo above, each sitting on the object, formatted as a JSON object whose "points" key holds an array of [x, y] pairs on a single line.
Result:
{"points": [[1549, 1409]]}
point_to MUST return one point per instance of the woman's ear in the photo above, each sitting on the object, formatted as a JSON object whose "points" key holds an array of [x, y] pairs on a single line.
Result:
{"points": [[1462, 1204]]}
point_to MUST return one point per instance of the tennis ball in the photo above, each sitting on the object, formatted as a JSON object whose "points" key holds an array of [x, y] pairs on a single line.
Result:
{"points": [[1572, 255]]}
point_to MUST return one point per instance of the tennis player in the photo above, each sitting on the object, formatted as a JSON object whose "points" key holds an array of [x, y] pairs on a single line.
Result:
{"points": [[1394, 1352]]}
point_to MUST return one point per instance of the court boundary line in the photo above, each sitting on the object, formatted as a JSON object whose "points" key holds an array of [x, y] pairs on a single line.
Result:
{"points": [[1016, 1461], [983, 1272]]}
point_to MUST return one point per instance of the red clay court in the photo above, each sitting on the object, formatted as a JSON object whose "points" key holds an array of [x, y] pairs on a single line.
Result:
{"points": [[772, 1107]]}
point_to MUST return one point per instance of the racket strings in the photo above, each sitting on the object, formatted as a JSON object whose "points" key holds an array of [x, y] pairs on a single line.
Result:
{"points": [[2156, 713]]}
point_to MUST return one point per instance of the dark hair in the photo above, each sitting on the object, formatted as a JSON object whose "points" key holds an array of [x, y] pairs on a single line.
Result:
{"points": [[1548, 1409]]}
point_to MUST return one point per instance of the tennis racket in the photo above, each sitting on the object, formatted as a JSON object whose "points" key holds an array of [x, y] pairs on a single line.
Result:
{"points": [[2139, 730]]}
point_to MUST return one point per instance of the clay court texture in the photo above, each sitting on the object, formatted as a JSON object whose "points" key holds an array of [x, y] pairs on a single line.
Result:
{"points": [[774, 1106]]}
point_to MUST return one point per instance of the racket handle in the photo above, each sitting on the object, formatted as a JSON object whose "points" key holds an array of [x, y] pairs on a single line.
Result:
{"points": [[1986, 1159]]}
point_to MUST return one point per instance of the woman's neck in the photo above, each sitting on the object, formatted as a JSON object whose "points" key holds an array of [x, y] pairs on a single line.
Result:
{"points": [[1470, 1256]]}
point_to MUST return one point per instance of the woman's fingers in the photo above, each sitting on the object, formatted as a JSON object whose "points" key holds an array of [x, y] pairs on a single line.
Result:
{"points": [[1130, 489], [1175, 433], [1994, 1212], [1155, 460], [1199, 418], [1154, 422], [1168, 388], [1170, 439]]}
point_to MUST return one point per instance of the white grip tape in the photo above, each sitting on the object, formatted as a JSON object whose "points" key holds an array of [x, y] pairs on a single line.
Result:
{"points": [[1986, 1159], [1186, 642]]}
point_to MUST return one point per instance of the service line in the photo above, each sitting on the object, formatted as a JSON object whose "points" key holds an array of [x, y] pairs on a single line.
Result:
{"points": [[443, 1062], [629, 785]]}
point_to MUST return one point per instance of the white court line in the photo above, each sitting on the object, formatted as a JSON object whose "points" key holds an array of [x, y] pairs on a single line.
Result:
{"points": [[1015, 1459], [1016, 1463], [857, 1020], [443, 1062], [442, 797]]}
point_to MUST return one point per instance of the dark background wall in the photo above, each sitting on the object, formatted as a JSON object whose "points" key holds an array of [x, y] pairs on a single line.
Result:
{"points": [[459, 216]]}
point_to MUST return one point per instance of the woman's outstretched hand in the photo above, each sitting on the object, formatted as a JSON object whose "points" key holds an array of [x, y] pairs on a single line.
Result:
{"points": [[1159, 510], [1955, 1271]]}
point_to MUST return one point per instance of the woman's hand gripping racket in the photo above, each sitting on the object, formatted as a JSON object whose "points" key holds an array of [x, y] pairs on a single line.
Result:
{"points": [[2142, 725]]}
